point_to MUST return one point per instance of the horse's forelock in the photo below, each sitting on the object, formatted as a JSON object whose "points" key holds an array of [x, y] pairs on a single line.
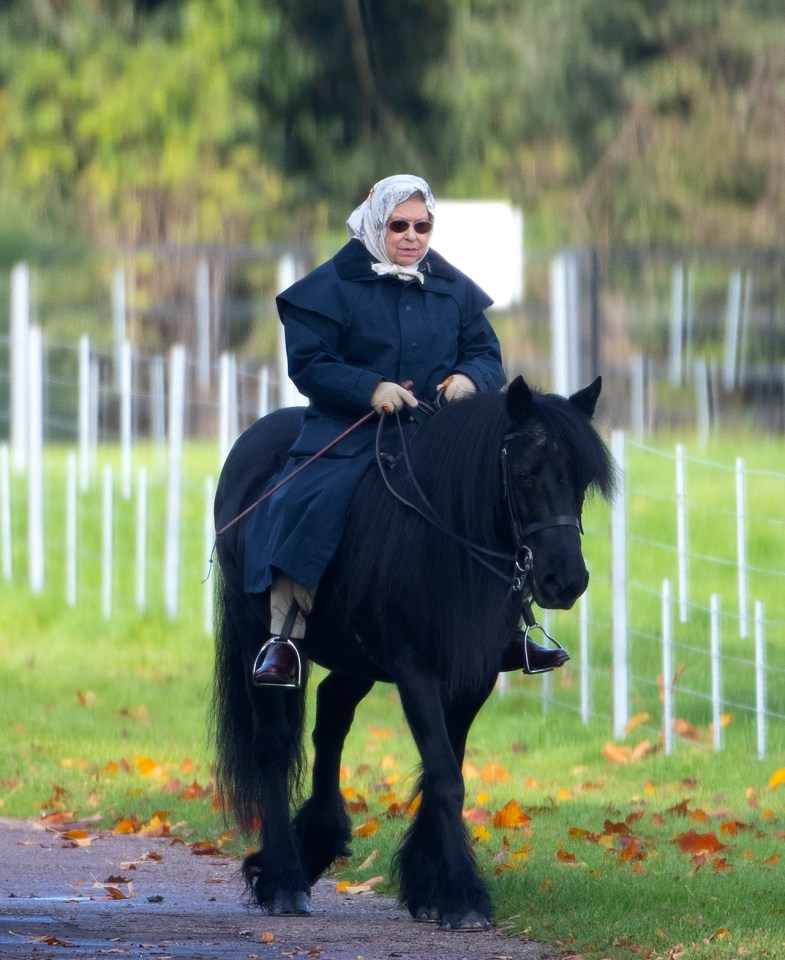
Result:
{"points": [[569, 425]]}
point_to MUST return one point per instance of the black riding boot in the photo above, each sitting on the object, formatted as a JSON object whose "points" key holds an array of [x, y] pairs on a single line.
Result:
{"points": [[280, 665], [533, 658], [278, 662]]}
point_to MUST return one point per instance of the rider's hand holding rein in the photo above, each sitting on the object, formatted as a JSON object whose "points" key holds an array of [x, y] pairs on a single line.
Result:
{"points": [[390, 397], [457, 385]]}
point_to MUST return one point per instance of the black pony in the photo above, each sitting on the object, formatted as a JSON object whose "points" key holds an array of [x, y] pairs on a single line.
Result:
{"points": [[426, 592]]}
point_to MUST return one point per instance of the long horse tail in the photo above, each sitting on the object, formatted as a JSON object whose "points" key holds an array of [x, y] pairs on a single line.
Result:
{"points": [[242, 725]]}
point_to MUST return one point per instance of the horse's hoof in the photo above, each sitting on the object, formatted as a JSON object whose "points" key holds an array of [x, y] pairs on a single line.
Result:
{"points": [[426, 915], [471, 922], [295, 903]]}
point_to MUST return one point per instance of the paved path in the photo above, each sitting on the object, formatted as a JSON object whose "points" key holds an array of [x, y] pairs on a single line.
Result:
{"points": [[75, 903]]}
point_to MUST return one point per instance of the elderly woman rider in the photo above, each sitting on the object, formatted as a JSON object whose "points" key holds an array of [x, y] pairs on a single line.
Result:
{"points": [[384, 311]]}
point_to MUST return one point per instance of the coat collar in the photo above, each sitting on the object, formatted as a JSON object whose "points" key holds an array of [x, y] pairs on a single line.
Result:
{"points": [[353, 262]]}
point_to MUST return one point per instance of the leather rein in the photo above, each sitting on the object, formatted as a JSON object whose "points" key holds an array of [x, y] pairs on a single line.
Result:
{"points": [[522, 559]]}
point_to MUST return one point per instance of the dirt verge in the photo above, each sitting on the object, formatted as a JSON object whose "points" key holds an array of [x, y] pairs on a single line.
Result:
{"points": [[105, 895]]}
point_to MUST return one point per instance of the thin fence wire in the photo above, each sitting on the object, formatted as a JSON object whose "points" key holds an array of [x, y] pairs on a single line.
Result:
{"points": [[711, 511]]}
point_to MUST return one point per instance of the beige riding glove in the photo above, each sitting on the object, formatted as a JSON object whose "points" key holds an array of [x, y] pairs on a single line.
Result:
{"points": [[457, 385], [389, 397]]}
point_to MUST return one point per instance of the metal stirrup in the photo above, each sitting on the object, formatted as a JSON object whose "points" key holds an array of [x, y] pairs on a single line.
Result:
{"points": [[297, 683], [533, 624], [283, 637]]}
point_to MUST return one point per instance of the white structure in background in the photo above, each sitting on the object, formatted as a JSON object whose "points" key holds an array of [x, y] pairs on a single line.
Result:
{"points": [[289, 396], [484, 239]]}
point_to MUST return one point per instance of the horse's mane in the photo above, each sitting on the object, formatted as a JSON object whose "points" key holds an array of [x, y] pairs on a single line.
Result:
{"points": [[400, 561]]}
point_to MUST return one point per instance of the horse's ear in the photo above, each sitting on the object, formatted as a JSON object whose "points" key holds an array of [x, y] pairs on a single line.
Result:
{"points": [[586, 399], [519, 401]]}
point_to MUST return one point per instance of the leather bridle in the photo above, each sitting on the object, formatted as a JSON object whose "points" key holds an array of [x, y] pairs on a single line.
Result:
{"points": [[521, 532], [523, 558]]}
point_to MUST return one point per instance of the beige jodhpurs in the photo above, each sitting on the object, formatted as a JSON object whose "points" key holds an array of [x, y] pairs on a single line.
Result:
{"points": [[282, 592]]}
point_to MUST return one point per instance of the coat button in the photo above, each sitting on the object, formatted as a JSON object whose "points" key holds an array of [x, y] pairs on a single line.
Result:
{"points": [[413, 344], [408, 306]]}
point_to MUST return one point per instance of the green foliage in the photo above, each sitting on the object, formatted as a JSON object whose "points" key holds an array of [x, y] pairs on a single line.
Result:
{"points": [[153, 139], [233, 121]]}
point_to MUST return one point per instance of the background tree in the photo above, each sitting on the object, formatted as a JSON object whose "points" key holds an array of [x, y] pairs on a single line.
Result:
{"points": [[142, 121], [140, 127]]}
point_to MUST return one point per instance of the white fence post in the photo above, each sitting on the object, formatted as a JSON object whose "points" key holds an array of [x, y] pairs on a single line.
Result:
{"points": [[621, 709], [585, 665], [85, 394], [760, 679], [19, 342], [106, 543], [70, 530], [126, 417], [35, 462], [667, 668], [741, 547], [174, 479], [94, 411], [681, 532], [5, 513], [141, 540], [716, 675]]}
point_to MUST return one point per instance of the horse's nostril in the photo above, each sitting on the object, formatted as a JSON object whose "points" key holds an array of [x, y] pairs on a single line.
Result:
{"points": [[559, 590]]}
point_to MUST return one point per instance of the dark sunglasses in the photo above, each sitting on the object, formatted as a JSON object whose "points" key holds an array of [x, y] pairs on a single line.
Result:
{"points": [[401, 226]]}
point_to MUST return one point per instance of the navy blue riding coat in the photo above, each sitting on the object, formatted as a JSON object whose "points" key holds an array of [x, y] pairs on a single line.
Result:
{"points": [[347, 329]]}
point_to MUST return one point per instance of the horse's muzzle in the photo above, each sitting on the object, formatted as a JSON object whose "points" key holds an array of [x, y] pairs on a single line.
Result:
{"points": [[556, 590]]}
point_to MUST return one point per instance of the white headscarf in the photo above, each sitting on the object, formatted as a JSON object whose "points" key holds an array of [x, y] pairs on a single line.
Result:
{"points": [[369, 221]]}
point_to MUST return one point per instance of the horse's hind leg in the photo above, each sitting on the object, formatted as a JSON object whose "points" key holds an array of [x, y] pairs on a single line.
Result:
{"points": [[322, 825], [275, 874]]}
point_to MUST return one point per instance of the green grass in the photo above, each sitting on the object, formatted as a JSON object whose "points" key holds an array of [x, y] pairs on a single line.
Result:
{"points": [[107, 720]]}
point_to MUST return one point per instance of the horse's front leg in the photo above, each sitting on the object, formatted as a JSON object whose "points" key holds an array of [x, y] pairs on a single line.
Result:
{"points": [[322, 824], [437, 872]]}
